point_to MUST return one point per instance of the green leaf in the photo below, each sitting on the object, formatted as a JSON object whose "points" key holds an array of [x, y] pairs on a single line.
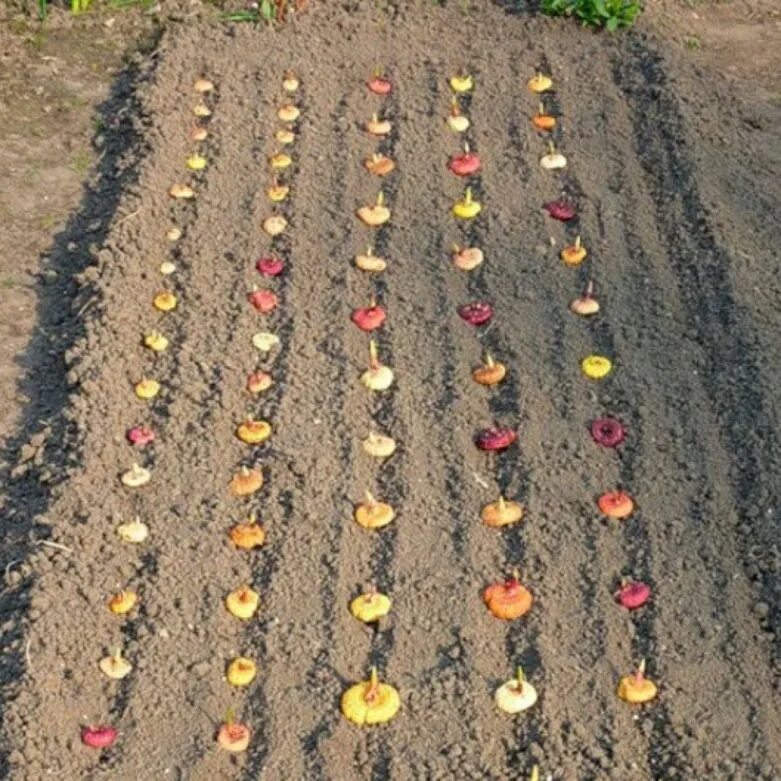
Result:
{"points": [[266, 10], [611, 14], [240, 16]]}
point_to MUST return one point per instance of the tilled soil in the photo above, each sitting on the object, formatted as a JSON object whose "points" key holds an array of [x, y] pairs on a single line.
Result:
{"points": [[687, 320]]}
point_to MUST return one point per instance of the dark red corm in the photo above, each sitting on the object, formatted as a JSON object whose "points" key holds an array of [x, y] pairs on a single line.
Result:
{"points": [[561, 210], [633, 594], [495, 438], [608, 432], [98, 737], [270, 266], [476, 313]]}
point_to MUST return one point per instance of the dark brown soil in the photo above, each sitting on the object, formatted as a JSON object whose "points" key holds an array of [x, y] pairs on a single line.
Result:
{"points": [[682, 228]]}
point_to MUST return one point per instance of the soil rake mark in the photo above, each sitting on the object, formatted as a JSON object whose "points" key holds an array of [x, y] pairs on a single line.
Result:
{"points": [[707, 293], [311, 742], [681, 762], [613, 398], [453, 658], [447, 393], [447, 397], [661, 760], [335, 347], [666, 754], [728, 647]]}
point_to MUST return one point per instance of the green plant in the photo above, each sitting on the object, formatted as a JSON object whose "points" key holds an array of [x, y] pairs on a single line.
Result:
{"points": [[77, 7], [263, 11], [122, 4], [81, 161], [9, 283], [610, 14], [266, 11]]}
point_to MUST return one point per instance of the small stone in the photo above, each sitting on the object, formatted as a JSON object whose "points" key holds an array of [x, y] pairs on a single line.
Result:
{"points": [[26, 453], [19, 471], [762, 609], [36, 440]]}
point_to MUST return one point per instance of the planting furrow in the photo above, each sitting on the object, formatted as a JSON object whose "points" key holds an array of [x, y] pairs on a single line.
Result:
{"points": [[612, 397], [507, 248], [267, 308], [687, 411], [106, 452], [664, 754], [167, 364], [506, 403], [332, 344], [709, 301], [432, 673], [443, 406], [323, 744], [290, 501], [367, 571], [193, 620], [558, 496], [390, 484], [319, 676], [310, 549], [649, 541]]}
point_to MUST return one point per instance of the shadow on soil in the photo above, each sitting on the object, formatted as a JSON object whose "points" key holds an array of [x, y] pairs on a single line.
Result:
{"points": [[64, 301], [518, 7]]}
